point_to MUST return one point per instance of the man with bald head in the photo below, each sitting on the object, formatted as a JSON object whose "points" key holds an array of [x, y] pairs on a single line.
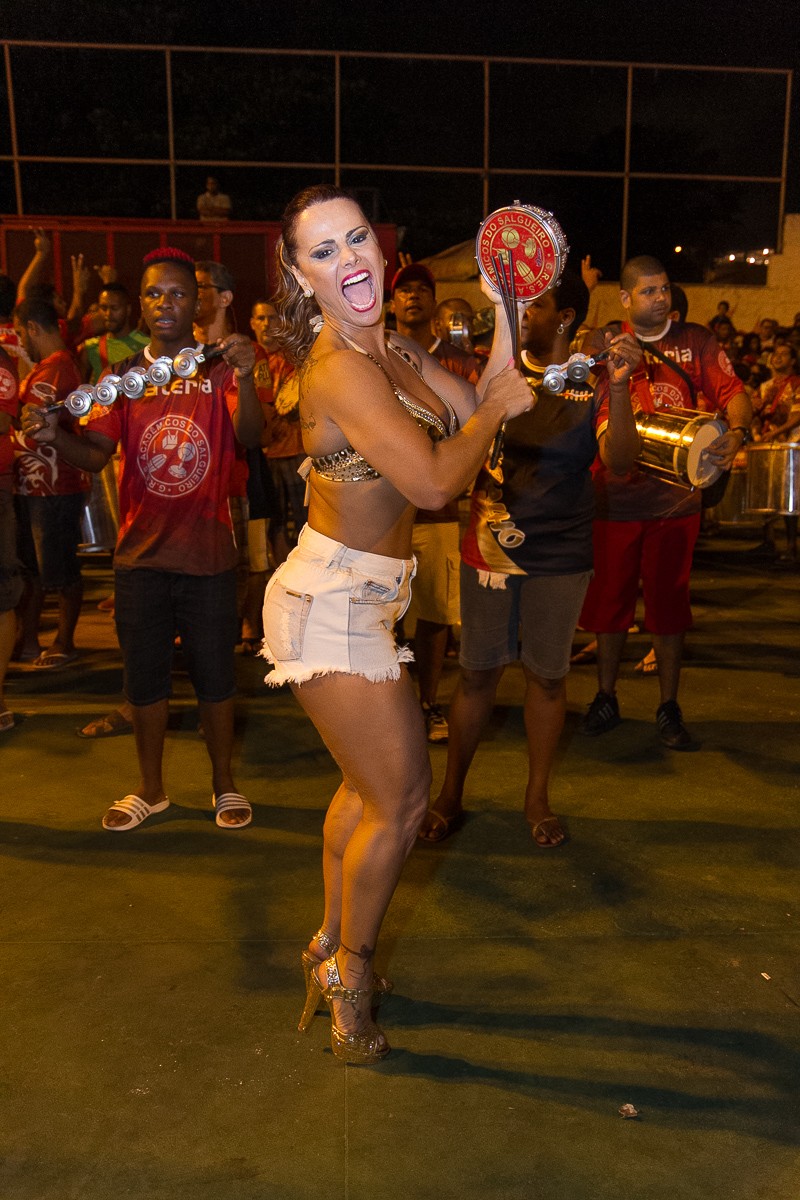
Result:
{"points": [[646, 527]]}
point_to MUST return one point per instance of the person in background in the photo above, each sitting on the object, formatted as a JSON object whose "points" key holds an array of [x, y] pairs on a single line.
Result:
{"points": [[50, 492], [213, 205], [175, 561]]}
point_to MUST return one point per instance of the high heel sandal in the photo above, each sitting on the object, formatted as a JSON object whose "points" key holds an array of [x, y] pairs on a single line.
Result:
{"points": [[381, 988], [360, 1047]]}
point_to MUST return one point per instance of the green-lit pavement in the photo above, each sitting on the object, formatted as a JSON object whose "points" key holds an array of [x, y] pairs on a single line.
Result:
{"points": [[152, 985]]}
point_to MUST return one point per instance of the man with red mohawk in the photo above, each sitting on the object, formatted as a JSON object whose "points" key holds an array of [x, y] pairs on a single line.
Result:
{"points": [[175, 561]]}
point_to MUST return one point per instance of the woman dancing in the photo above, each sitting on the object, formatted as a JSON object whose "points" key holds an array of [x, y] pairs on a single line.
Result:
{"points": [[387, 430]]}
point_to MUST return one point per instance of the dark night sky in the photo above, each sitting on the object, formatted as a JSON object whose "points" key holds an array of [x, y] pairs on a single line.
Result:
{"points": [[702, 33], [736, 33]]}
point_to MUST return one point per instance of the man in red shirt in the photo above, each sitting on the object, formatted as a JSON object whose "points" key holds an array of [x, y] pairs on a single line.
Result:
{"points": [[11, 584], [647, 527], [51, 489], [175, 561], [283, 442]]}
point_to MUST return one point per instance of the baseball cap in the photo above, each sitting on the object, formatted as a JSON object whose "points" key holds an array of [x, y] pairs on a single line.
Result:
{"points": [[413, 271]]}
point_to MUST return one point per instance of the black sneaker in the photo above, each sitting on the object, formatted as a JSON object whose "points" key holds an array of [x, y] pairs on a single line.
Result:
{"points": [[602, 716], [671, 728], [435, 723]]}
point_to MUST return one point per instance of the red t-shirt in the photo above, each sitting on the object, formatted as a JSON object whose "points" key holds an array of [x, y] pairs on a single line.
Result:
{"points": [[177, 456], [285, 439], [9, 403], [39, 470], [640, 495]]}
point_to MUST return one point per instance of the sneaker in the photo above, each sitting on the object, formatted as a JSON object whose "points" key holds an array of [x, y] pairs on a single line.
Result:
{"points": [[435, 723], [602, 716], [671, 728]]}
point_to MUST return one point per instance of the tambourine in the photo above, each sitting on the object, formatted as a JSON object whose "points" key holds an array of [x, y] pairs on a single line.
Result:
{"points": [[521, 252], [531, 240]]}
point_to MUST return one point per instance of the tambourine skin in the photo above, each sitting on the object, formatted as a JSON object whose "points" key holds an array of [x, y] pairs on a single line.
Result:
{"points": [[530, 238]]}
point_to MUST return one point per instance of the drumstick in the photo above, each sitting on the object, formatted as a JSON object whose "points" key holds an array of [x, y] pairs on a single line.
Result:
{"points": [[507, 287]]}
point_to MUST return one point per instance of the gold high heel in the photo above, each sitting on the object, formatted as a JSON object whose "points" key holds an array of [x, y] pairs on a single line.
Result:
{"points": [[381, 988], [362, 1047]]}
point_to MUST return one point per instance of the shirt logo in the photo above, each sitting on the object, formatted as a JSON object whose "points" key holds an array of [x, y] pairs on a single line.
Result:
{"points": [[8, 384], [174, 456], [725, 363], [667, 395]]}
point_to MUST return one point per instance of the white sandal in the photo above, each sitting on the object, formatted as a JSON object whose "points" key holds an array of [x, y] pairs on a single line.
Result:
{"points": [[136, 808], [227, 801]]}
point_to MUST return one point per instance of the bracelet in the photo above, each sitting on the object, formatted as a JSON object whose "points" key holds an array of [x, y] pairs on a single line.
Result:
{"points": [[744, 431]]}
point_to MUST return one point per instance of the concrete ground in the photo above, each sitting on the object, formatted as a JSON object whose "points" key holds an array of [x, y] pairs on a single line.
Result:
{"points": [[151, 982]]}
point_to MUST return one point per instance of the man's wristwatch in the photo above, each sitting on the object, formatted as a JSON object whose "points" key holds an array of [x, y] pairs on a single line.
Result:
{"points": [[744, 431]]}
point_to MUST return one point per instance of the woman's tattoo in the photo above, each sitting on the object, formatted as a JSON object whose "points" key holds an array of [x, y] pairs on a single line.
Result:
{"points": [[365, 953], [308, 424]]}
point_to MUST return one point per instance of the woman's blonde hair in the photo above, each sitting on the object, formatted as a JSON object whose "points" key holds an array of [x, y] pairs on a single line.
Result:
{"points": [[300, 317]]}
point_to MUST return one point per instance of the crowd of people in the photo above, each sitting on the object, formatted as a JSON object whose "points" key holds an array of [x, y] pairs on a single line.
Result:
{"points": [[298, 497]]}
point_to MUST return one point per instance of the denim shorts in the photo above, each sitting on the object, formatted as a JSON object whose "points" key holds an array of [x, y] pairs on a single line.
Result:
{"points": [[54, 524], [152, 607], [331, 609], [541, 611]]}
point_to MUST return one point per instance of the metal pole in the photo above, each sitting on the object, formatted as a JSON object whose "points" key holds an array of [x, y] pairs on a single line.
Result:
{"points": [[784, 163], [173, 205], [626, 183], [486, 110], [12, 121], [337, 120]]}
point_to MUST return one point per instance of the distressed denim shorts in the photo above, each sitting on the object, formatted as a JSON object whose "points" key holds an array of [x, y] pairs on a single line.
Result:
{"points": [[329, 609]]}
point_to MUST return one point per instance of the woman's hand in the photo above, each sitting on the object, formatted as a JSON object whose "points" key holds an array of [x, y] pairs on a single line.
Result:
{"points": [[624, 356], [509, 391]]}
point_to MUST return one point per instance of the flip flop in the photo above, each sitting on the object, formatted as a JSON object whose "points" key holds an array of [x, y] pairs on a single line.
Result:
{"points": [[54, 660], [440, 827], [136, 808], [228, 801], [112, 725], [542, 825], [6, 721], [647, 666]]}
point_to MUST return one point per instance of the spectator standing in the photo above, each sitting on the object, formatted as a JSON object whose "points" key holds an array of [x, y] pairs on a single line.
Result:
{"points": [[212, 204], [51, 491], [175, 562]]}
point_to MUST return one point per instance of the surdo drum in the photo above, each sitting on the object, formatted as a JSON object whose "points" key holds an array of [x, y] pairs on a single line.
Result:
{"points": [[674, 445], [773, 478]]}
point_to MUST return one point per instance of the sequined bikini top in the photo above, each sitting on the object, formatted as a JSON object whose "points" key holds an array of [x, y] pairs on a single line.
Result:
{"points": [[348, 466]]}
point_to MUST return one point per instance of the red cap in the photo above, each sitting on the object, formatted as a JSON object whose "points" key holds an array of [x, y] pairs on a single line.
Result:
{"points": [[413, 271]]}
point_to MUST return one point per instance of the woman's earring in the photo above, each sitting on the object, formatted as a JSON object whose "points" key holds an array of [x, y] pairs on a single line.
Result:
{"points": [[308, 293], [316, 323], [561, 328]]}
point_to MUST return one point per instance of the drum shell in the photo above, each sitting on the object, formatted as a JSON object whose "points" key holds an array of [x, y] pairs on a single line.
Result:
{"points": [[100, 516], [732, 508], [773, 478], [667, 436]]}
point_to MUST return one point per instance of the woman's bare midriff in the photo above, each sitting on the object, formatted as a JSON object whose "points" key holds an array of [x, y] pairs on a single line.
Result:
{"points": [[369, 515]]}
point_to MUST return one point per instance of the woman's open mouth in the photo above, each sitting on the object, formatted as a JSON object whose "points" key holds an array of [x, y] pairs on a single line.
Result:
{"points": [[359, 291]]}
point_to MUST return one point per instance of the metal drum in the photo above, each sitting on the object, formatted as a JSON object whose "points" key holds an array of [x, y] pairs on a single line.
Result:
{"points": [[674, 442], [100, 516], [773, 478], [732, 508]]}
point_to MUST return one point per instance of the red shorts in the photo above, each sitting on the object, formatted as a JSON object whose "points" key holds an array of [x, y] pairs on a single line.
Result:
{"points": [[657, 552]]}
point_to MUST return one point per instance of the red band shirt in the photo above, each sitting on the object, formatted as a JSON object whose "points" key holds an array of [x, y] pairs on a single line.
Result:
{"points": [[177, 448]]}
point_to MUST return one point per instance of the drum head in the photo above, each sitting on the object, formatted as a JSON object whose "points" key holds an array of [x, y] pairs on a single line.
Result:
{"points": [[702, 472], [532, 239]]}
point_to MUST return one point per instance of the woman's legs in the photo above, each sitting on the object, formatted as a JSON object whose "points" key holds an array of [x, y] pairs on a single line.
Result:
{"points": [[376, 734]]}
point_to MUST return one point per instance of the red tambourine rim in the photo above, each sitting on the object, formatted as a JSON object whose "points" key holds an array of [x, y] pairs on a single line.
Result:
{"points": [[548, 241]]}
